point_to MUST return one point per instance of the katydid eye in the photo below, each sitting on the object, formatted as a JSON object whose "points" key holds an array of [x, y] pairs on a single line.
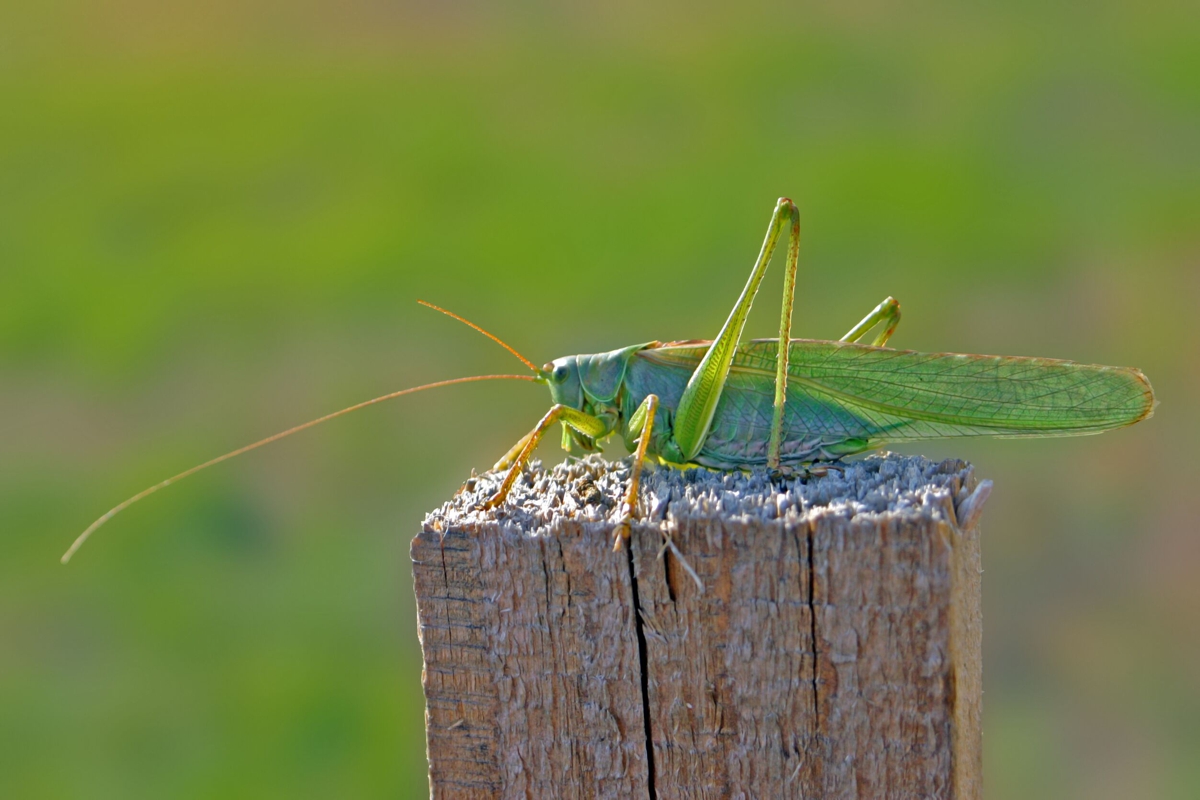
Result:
{"points": [[556, 374]]}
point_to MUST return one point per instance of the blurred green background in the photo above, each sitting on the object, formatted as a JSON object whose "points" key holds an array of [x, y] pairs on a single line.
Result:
{"points": [[215, 219]]}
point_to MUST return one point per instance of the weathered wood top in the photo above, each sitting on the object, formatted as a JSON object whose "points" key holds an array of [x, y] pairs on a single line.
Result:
{"points": [[759, 638], [587, 491]]}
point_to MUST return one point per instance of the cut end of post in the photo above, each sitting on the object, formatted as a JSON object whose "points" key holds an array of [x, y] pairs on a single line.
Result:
{"points": [[589, 491]]}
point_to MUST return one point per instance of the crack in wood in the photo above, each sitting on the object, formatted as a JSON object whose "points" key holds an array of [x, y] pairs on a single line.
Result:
{"points": [[644, 674]]}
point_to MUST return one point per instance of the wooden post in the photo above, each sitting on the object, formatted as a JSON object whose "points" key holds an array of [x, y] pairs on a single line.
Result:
{"points": [[753, 640]]}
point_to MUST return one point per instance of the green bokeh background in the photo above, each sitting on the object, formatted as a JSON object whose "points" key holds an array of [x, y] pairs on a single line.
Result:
{"points": [[215, 218]]}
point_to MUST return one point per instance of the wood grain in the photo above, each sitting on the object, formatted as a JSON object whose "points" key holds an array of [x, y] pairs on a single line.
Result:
{"points": [[825, 642]]}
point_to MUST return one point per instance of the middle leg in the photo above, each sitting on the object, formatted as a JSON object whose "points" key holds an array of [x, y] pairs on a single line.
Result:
{"points": [[642, 418]]}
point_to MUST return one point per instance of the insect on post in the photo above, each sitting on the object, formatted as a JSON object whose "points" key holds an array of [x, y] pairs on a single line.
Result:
{"points": [[753, 577]]}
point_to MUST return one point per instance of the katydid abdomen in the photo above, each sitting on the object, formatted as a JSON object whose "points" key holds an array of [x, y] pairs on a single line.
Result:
{"points": [[845, 398]]}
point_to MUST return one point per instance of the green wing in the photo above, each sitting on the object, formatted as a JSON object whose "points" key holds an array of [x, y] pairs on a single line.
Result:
{"points": [[840, 390]]}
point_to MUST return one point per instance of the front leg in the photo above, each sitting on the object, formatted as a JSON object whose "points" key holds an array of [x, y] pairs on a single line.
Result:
{"points": [[514, 452], [643, 418], [583, 422]]}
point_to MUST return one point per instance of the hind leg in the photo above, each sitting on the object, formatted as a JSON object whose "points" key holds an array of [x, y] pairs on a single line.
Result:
{"points": [[888, 313]]}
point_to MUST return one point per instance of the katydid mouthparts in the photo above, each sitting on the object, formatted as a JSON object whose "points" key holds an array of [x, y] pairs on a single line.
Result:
{"points": [[782, 403]]}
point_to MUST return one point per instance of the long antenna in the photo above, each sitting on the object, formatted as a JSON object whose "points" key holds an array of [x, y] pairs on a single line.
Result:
{"points": [[83, 537], [491, 336]]}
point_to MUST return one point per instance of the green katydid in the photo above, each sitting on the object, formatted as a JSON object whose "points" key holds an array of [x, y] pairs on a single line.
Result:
{"points": [[783, 403]]}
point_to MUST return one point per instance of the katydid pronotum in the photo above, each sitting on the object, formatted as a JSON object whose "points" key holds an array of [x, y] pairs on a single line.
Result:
{"points": [[784, 403]]}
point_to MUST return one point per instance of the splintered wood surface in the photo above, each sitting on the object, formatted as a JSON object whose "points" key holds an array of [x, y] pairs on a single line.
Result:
{"points": [[817, 640]]}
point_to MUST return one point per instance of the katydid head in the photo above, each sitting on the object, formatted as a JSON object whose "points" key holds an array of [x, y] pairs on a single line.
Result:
{"points": [[562, 376], [590, 383]]}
